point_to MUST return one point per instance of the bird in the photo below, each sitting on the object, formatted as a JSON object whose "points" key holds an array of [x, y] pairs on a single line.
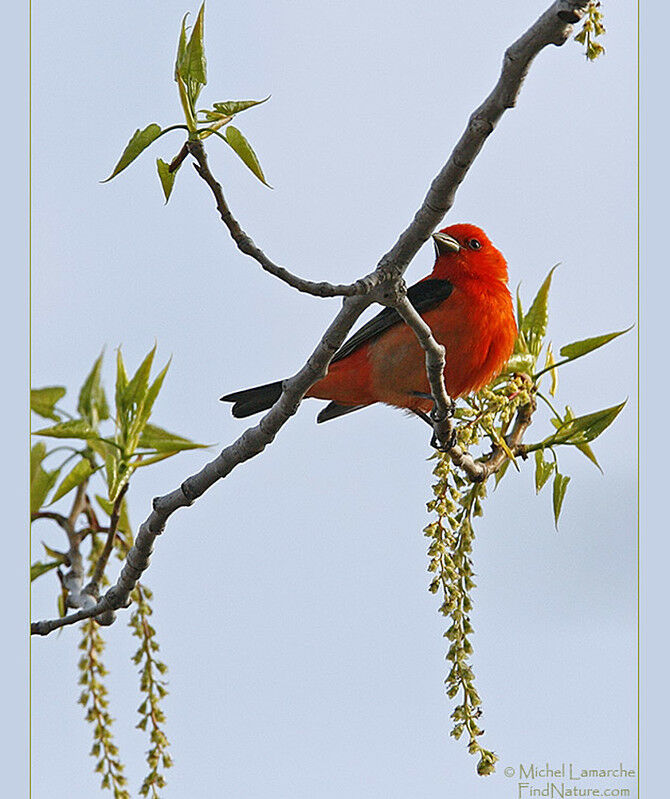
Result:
{"points": [[467, 304]]}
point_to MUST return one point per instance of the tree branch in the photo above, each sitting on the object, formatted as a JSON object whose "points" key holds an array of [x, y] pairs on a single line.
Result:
{"points": [[246, 244], [73, 579], [480, 470], [250, 443], [553, 27], [93, 586], [441, 414]]}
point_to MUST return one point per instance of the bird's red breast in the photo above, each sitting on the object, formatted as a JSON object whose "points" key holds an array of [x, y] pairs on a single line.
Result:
{"points": [[474, 321]]}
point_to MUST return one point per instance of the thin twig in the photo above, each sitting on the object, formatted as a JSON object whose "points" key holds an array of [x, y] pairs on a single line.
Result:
{"points": [[93, 587], [246, 244], [56, 517], [441, 414]]}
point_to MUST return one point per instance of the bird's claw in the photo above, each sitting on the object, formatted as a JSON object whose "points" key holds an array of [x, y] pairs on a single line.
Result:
{"points": [[451, 442]]}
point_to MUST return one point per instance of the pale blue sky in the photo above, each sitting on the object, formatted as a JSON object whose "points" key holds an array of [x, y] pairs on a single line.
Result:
{"points": [[305, 653]]}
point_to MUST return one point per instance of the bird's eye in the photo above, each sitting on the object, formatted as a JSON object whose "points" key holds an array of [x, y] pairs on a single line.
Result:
{"points": [[474, 244]]}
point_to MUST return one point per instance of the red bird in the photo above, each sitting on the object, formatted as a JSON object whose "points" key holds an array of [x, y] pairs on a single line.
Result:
{"points": [[466, 303]]}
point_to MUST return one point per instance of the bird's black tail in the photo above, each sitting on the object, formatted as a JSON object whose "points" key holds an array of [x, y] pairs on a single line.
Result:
{"points": [[253, 400]]}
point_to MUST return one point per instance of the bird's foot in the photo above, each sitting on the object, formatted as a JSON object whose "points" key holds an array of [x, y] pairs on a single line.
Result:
{"points": [[451, 442]]}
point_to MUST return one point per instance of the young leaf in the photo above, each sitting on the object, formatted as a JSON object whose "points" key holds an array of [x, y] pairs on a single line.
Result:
{"points": [[112, 462], [124, 521], [550, 361], [42, 401], [60, 557], [560, 486], [148, 459], [193, 66], [121, 385], [579, 348], [75, 428], [242, 147], [166, 177], [583, 429], [37, 569], [519, 308], [501, 472], [181, 46], [139, 141], [37, 455], [81, 471], [534, 324], [231, 107], [152, 393], [137, 388], [543, 470], [156, 438], [586, 450], [92, 403], [40, 485]]}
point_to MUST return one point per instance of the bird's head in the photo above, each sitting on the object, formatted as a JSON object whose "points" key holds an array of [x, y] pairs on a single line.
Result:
{"points": [[465, 250]]}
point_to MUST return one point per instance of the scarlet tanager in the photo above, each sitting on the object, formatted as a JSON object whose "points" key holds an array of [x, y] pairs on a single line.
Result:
{"points": [[466, 303]]}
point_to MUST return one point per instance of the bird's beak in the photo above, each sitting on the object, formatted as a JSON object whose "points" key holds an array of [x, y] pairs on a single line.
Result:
{"points": [[445, 244]]}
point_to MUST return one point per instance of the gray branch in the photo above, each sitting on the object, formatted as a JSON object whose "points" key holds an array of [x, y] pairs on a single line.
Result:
{"points": [[383, 285], [435, 362], [247, 245]]}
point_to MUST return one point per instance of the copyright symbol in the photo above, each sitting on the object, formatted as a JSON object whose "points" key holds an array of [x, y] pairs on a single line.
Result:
{"points": [[509, 771]]}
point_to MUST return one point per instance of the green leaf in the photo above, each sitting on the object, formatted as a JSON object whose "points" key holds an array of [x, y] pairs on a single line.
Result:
{"points": [[579, 348], [37, 455], [519, 308], [123, 474], [121, 385], [40, 485], [156, 438], [543, 470], [148, 459], [37, 569], [583, 429], [108, 507], [42, 401], [549, 363], [586, 450], [166, 177], [153, 391], [181, 46], [136, 398], [75, 428], [139, 141], [560, 486], [501, 472], [534, 324], [242, 147], [81, 471], [112, 463], [191, 63], [137, 388], [92, 404], [231, 107], [59, 557]]}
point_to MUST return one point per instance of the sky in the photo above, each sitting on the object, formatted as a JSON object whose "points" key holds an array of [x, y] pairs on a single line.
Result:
{"points": [[305, 653]]}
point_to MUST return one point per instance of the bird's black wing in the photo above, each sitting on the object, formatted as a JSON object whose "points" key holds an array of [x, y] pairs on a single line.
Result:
{"points": [[423, 296]]}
